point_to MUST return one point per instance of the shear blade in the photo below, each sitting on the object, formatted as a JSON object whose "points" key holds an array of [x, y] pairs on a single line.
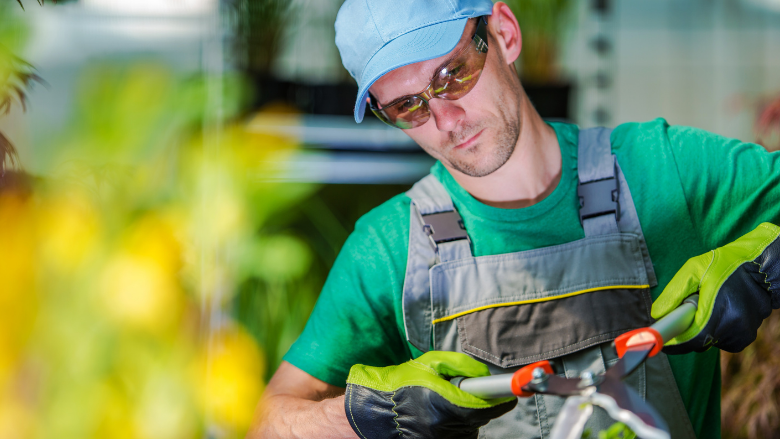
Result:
{"points": [[572, 418], [627, 399], [632, 358], [555, 385]]}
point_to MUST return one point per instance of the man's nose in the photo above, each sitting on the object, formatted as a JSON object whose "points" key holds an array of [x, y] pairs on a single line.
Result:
{"points": [[447, 114]]}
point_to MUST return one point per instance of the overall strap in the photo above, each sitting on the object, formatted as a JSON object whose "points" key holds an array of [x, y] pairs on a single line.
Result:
{"points": [[606, 205], [439, 220], [436, 234], [598, 188]]}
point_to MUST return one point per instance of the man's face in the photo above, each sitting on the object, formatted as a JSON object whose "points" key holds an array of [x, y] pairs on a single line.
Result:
{"points": [[475, 134]]}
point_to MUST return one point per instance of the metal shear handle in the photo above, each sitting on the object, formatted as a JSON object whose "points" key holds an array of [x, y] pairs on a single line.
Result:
{"points": [[512, 384]]}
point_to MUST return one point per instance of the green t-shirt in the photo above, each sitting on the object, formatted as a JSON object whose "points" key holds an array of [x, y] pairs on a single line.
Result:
{"points": [[693, 190]]}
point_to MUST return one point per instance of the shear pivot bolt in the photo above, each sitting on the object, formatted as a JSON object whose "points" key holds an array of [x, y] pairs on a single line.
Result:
{"points": [[538, 374], [586, 378]]}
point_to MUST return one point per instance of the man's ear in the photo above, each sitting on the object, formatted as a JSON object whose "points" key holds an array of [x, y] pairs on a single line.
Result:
{"points": [[504, 28]]}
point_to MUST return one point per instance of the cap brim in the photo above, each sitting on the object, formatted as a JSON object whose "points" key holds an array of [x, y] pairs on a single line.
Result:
{"points": [[419, 45]]}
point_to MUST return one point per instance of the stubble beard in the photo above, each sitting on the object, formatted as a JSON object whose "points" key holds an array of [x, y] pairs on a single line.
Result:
{"points": [[487, 156]]}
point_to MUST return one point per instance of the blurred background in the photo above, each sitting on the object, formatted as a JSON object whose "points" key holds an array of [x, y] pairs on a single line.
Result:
{"points": [[178, 176]]}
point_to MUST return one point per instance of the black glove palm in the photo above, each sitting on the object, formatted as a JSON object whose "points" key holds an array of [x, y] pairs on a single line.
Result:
{"points": [[738, 286], [414, 400]]}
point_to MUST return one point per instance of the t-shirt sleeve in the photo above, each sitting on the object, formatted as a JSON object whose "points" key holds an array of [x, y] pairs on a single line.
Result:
{"points": [[730, 186], [357, 315]]}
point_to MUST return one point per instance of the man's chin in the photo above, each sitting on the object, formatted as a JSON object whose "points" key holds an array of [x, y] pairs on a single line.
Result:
{"points": [[475, 170], [480, 163]]}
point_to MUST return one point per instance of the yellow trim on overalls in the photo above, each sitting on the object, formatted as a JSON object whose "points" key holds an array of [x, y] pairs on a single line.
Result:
{"points": [[543, 299]]}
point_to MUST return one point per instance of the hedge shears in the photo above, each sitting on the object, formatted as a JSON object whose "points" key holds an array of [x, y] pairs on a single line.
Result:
{"points": [[606, 390]]}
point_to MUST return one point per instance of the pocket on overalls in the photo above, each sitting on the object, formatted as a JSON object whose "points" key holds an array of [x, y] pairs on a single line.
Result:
{"points": [[517, 334], [575, 331]]}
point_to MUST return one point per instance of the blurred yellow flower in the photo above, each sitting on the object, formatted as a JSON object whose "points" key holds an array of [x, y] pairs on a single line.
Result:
{"points": [[139, 293], [17, 421], [68, 231], [230, 370], [140, 285], [18, 294]]}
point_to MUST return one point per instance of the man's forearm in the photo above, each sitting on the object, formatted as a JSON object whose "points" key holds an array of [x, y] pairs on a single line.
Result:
{"points": [[289, 417]]}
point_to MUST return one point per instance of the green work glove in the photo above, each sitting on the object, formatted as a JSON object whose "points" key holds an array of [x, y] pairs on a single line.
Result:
{"points": [[415, 400], [738, 286]]}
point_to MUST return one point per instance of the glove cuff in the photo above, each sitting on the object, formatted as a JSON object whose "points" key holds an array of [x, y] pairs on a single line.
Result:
{"points": [[370, 412]]}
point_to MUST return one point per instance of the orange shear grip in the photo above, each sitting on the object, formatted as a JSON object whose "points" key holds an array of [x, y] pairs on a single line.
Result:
{"points": [[639, 337], [524, 376]]}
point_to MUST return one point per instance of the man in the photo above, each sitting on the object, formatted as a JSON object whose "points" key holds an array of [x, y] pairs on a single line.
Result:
{"points": [[528, 241]]}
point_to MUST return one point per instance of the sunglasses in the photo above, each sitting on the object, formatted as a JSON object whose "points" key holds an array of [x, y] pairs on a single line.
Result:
{"points": [[451, 82]]}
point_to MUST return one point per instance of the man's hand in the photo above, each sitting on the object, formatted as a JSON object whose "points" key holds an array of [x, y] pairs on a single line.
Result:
{"points": [[738, 286], [415, 400]]}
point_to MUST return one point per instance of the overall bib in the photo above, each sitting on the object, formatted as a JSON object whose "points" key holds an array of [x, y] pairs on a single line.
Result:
{"points": [[565, 302]]}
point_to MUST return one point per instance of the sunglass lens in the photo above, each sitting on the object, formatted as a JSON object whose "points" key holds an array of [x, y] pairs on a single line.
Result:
{"points": [[460, 76], [409, 113]]}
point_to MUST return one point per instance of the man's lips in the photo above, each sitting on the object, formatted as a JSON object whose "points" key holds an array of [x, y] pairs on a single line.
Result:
{"points": [[469, 142]]}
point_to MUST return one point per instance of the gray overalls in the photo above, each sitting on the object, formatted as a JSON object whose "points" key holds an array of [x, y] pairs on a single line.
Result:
{"points": [[566, 302]]}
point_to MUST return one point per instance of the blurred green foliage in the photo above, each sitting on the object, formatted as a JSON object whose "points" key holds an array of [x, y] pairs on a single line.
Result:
{"points": [[259, 27], [618, 430], [751, 386], [16, 75], [543, 24], [275, 308], [40, 2], [145, 220], [14, 32]]}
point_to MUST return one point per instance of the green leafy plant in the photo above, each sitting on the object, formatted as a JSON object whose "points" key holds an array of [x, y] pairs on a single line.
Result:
{"points": [[19, 76], [9, 158], [141, 217], [259, 26], [618, 430], [40, 2], [148, 206], [16, 78]]}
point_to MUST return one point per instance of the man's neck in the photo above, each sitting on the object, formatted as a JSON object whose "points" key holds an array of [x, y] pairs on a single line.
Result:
{"points": [[531, 173]]}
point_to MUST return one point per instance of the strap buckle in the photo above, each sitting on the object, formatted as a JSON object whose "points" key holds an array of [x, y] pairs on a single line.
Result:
{"points": [[444, 227], [600, 197]]}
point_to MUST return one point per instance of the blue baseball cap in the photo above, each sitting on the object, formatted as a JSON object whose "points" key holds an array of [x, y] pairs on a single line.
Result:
{"points": [[377, 36]]}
